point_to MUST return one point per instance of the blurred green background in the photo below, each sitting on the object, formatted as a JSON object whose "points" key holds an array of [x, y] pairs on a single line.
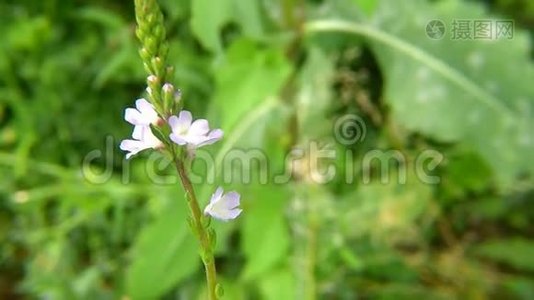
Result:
{"points": [[77, 221]]}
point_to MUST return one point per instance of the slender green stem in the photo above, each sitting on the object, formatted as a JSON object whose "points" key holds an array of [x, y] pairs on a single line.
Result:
{"points": [[202, 234], [288, 12], [151, 33], [311, 259]]}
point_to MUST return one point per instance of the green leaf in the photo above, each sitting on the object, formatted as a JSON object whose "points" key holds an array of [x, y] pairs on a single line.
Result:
{"points": [[367, 6], [465, 172], [515, 252], [241, 136], [209, 18], [232, 288], [264, 232], [248, 15], [520, 287], [314, 99], [164, 254], [279, 284], [468, 91], [388, 211], [450, 90], [248, 77], [104, 17]]}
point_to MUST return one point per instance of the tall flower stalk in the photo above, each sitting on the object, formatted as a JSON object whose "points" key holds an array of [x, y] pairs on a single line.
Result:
{"points": [[161, 124]]}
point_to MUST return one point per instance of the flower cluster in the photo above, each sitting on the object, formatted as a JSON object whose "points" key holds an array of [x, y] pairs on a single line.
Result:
{"points": [[184, 131]]}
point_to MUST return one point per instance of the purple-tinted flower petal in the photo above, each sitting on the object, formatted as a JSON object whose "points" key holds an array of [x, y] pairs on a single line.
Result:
{"points": [[223, 206], [195, 140], [150, 139], [173, 122], [231, 200], [143, 115], [194, 134], [233, 213], [212, 137], [143, 139], [144, 106], [138, 132], [180, 125], [199, 127], [178, 139], [132, 146], [133, 116], [217, 195], [128, 145], [216, 134], [185, 118]]}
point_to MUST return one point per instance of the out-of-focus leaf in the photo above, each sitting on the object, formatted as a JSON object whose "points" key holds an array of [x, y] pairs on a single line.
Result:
{"points": [[27, 34], [248, 77], [82, 285], [116, 65], [520, 287], [367, 6], [466, 172], [207, 20], [209, 17], [175, 9], [407, 291], [232, 289], [279, 284], [314, 98], [515, 252], [101, 16], [264, 232], [351, 259], [164, 254], [248, 15], [470, 91], [388, 211]]}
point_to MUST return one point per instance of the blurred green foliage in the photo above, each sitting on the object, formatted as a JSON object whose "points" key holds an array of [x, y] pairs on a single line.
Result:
{"points": [[72, 227]]}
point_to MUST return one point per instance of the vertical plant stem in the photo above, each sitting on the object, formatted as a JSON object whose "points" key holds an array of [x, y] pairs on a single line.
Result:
{"points": [[293, 12], [311, 260], [202, 234], [288, 13]]}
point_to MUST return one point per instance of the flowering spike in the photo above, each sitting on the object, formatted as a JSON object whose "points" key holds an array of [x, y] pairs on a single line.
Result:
{"points": [[154, 49]]}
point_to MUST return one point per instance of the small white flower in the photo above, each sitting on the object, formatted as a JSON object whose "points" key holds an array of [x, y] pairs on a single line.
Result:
{"points": [[144, 113], [223, 207], [194, 134], [143, 138]]}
